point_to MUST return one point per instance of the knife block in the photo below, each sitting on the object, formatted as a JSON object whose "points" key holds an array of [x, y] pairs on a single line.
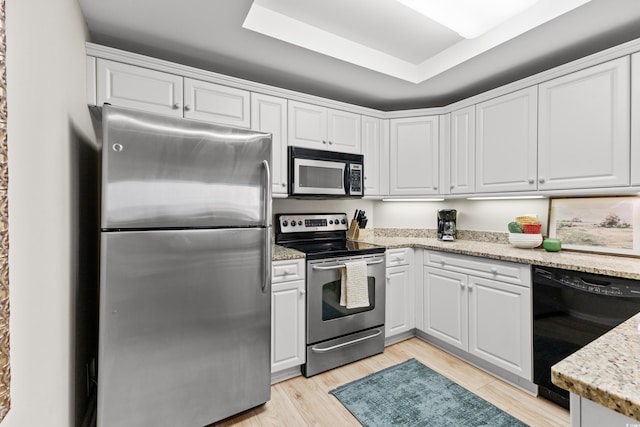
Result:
{"points": [[354, 231]]}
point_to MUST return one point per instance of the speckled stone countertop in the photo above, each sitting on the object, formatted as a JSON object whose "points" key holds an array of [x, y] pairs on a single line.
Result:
{"points": [[607, 371], [491, 245], [279, 253]]}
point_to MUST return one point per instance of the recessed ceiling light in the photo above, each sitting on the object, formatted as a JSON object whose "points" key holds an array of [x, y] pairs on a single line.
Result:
{"points": [[469, 18]]}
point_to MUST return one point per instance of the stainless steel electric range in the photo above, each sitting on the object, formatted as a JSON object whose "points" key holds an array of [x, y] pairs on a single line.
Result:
{"points": [[336, 335]]}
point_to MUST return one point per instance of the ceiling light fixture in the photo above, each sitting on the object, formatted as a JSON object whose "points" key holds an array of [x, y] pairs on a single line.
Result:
{"points": [[469, 18]]}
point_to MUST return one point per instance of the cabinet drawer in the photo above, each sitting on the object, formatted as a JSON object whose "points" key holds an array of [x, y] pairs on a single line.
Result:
{"points": [[285, 271], [402, 256], [509, 272]]}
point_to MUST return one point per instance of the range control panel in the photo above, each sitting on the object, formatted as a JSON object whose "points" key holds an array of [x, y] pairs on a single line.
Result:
{"points": [[297, 223]]}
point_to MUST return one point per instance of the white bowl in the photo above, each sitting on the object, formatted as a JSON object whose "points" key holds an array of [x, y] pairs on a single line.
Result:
{"points": [[525, 241]]}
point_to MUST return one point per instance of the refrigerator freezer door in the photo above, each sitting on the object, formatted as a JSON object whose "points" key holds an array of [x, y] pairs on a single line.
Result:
{"points": [[165, 172], [185, 326]]}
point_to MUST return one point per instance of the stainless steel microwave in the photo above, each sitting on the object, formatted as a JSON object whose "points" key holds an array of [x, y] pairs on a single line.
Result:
{"points": [[325, 174]]}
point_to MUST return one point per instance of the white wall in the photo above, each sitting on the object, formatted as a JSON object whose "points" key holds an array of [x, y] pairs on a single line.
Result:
{"points": [[47, 113], [477, 215]]}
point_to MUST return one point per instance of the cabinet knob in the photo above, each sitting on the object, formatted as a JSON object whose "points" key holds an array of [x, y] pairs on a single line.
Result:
{"points": [[365, 178], [531, 180], [442, 262], [461, 285], [452, 187], [177, 106], [283, 184], [187, 107], [541, 180], [435, 187], [324, 142], [330, 142], [494, 270], [388, 278], [302, 292]]}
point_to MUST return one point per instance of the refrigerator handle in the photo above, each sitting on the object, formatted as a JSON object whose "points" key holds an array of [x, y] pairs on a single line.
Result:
{"points": [[267, 197], [267, 260]]}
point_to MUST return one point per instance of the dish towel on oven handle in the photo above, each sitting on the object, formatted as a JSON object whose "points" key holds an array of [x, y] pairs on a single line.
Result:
{"points": [[354, 289]]}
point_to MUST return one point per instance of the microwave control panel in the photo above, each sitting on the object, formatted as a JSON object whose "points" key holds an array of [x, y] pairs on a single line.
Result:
{"points": [[355, 185]]}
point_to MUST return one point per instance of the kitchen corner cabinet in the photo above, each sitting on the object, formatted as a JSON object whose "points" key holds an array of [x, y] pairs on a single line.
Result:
{"points": [[313, 126], [169, 94], [269, 114], [584, 128], [462, 151], [506, 143], [287, 314], [480, 306], [635, 119], [374, 150], [414, 156], [399, 294]]}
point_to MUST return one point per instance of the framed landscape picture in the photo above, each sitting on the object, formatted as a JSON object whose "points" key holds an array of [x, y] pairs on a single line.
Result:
{"points": [[597, 224]]}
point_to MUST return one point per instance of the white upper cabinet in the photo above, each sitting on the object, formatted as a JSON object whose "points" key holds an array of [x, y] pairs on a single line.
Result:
{"points": [[414, 156], [215, 103], [371, 149], [635, 119], [269, 114], [139, 88], [321, 128], [506, 138], [172, 95], [584, 128], [462, 151]]}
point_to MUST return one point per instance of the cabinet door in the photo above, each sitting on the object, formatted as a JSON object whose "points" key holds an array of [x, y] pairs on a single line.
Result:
{"points": [[414, 156], [371, 147], [635, 119], [287, 325], [500, 325], [307, 125], [139, 88], [463, 146], [506, 142], [269, 114], [215, 103], [444, 299], [399, 302], [343, 133], [584, 128]]}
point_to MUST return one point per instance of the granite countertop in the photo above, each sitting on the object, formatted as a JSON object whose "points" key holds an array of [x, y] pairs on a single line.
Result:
{"points": [[493, 245], [607, 371]]}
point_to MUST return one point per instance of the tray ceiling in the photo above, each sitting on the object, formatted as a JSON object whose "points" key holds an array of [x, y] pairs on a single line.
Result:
{"points": [[374, 53]]}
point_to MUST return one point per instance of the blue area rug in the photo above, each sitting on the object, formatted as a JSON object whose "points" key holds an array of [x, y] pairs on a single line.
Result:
{"points": [[411, 394]]}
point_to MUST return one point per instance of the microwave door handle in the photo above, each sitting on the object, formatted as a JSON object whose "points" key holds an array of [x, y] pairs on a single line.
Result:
{"points": [[347, 179]]}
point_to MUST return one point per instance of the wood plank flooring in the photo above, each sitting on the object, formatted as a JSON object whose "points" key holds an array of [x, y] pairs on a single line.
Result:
{"points": [[306, 401]]}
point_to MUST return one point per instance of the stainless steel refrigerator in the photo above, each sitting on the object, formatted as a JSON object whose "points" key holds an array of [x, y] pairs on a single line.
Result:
{"points": [[185, 305]]}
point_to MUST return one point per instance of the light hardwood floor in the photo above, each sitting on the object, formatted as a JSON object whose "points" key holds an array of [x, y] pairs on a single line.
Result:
{"points": [[306, 401]]}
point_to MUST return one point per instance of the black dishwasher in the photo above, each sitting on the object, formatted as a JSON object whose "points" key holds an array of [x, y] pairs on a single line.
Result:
{"points": [[571, 309]]}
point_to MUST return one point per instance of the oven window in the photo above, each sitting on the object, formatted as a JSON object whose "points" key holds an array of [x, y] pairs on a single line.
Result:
{"points": [[331, 308], [320, 177]]}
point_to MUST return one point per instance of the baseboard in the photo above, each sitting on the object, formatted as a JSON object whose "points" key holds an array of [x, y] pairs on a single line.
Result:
{"points": [[399, 337], [285, 374], [511, 378]]}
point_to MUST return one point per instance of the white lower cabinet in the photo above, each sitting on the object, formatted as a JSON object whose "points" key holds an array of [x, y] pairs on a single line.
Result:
{"points": [[287, 315], [399, 295], [586, 413], [480, 306]]}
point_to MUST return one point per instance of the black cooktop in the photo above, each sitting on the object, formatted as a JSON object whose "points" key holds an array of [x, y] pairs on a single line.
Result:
{"points": [[320, 236]]}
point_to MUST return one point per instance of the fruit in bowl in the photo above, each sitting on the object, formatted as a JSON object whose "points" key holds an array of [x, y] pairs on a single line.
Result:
{"points": [[525, 240]]}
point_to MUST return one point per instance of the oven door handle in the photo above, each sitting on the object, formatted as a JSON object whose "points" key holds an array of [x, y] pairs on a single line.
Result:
{"points": [[337, 266], [344, 344]]}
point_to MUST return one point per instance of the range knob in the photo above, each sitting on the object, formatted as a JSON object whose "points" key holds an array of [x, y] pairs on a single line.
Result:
{"points": [[299, 222], [331, 222], [293, 223], [344, 221], [285, 223], [337, 221]]}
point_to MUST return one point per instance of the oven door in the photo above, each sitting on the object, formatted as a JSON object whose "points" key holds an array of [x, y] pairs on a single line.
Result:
{"points": [[326, 318]]}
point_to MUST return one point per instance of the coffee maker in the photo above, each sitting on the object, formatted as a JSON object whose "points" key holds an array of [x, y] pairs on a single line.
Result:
{"points": [[447, 224]]}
